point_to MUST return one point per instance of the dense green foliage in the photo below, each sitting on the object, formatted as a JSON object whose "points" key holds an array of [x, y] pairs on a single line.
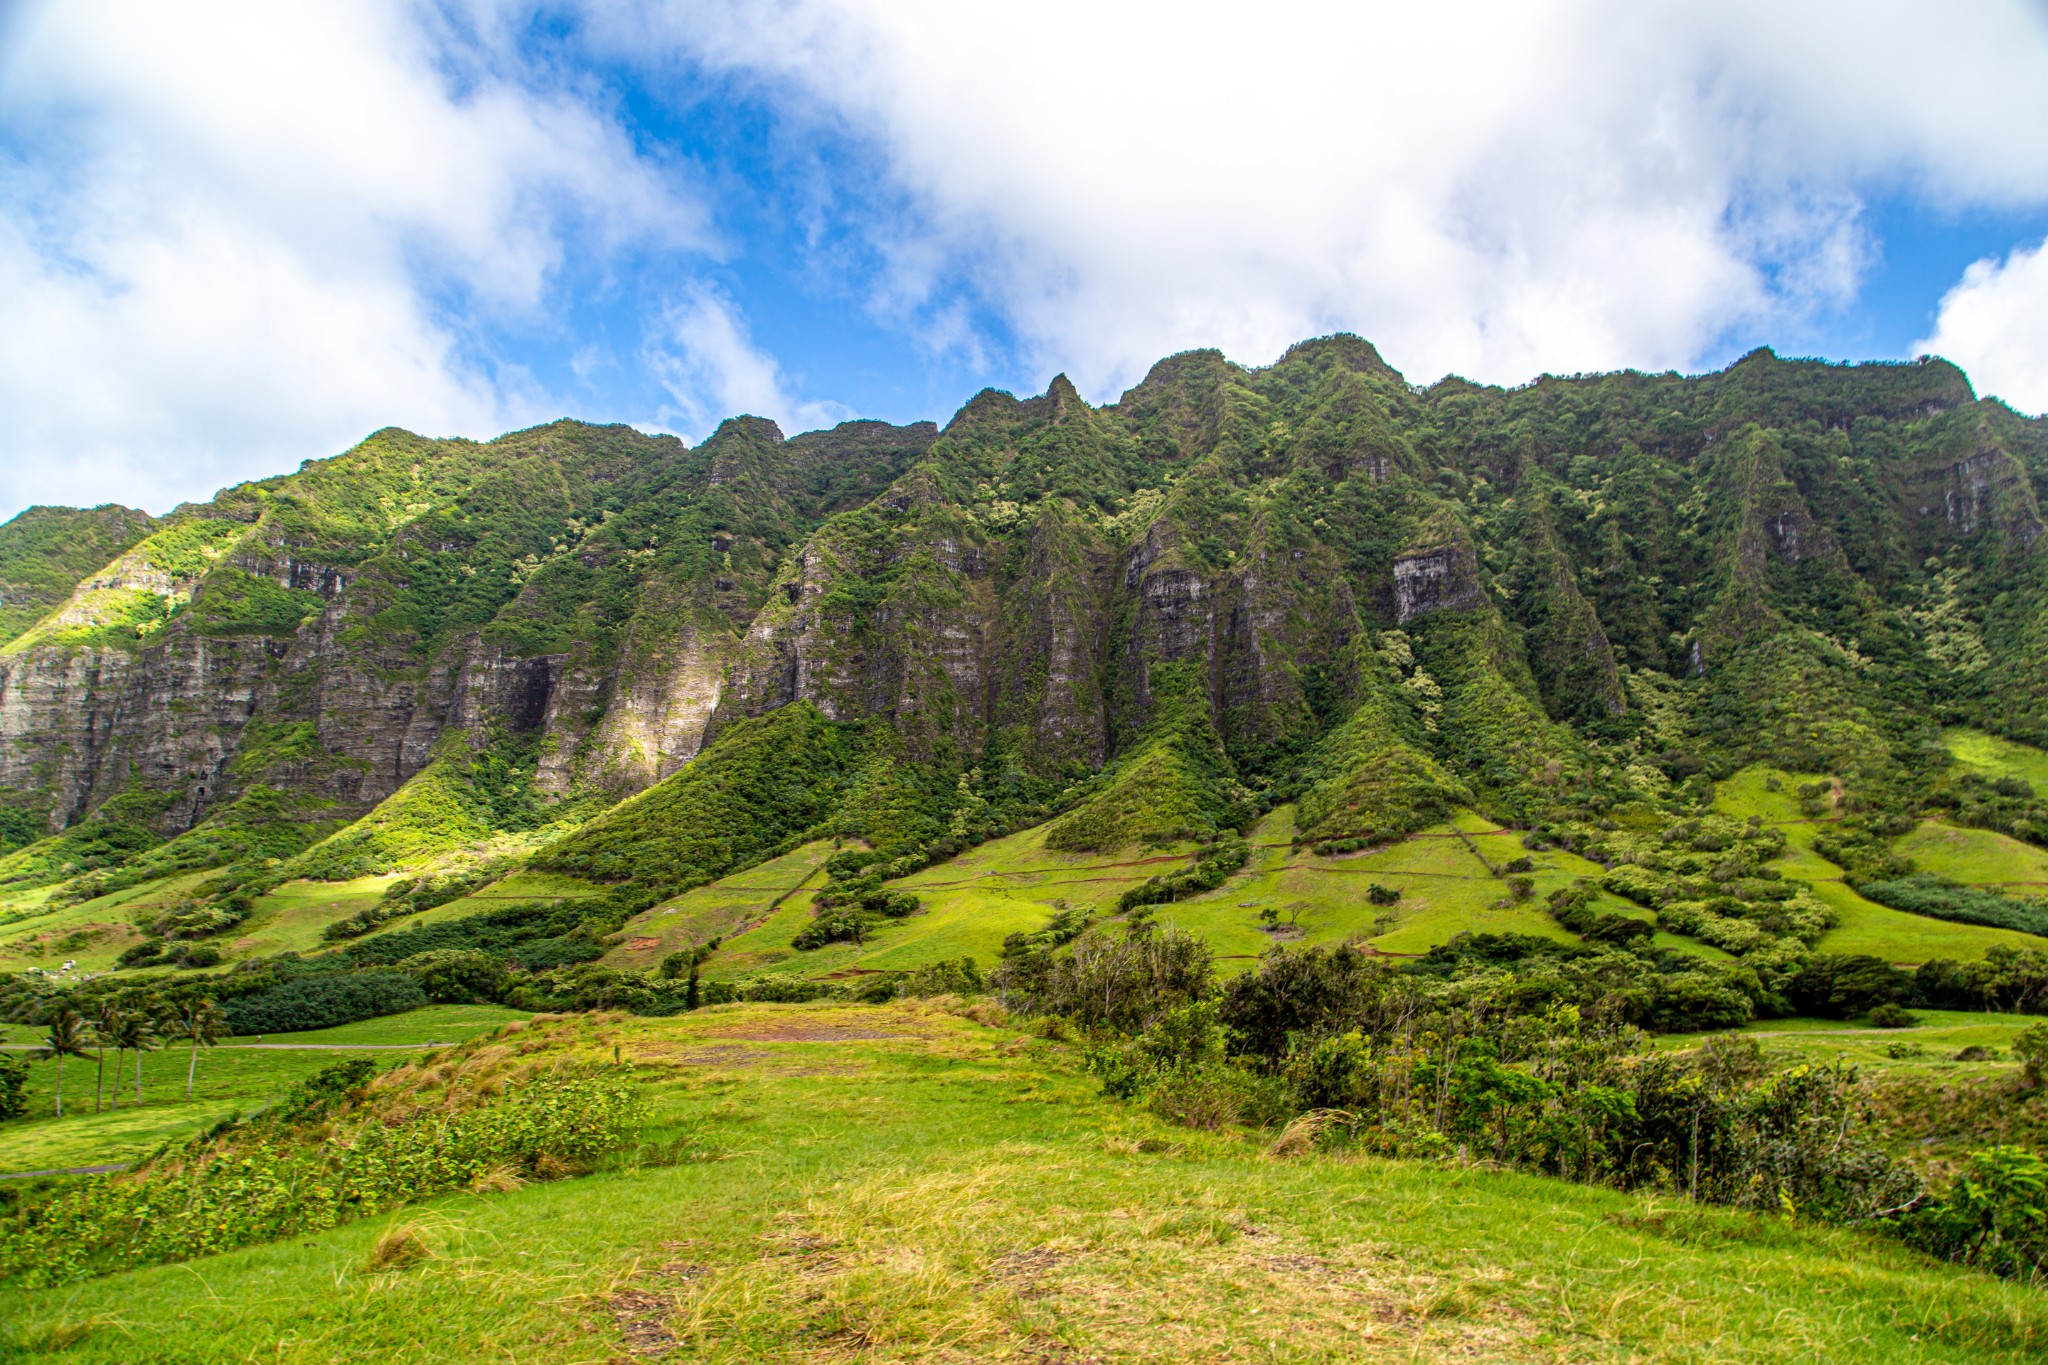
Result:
{"points": [[322, 1002], [760, 786], [1940, 898], [46, 551]]}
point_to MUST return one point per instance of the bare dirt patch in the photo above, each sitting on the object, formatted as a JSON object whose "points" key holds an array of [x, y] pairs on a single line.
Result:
{"points": [[642, 1318]]}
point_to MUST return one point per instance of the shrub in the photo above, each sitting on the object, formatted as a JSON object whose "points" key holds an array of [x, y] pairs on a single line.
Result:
{"points": [[13, 1086], [1892, 1015], [956, 976], [1994, 1215], [314, 1002], [1836, 986], [1120, 981], [2030, 1047], [1211, 869], [1381, 895]]}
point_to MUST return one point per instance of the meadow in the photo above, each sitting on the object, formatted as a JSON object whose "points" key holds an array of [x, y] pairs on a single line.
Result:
{"points": [[904, 1183], [236, 1076], [1863, 926]]}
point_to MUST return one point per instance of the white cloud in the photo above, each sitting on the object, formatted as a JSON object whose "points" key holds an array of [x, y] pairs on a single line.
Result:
{"points": [[1492, 188], [703, 356], [235, 233], [1995, 325]]}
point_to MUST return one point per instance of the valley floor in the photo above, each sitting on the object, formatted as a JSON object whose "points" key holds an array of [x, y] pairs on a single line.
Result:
{"points": [[904, 1183]]}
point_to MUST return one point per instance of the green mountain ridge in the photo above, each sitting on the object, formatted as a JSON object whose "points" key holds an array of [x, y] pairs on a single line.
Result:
{"points": [[1567, 608]]}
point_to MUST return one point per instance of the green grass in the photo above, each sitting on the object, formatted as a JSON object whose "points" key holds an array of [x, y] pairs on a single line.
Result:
{"points": [[723, 909], [901, 1184], [971, 902], [1995, 757], [92, 933], [291, 917], [1940, 1034], [519, 886], [1979, 857], [1862, 926], [234, 1077], [1015, 884]]}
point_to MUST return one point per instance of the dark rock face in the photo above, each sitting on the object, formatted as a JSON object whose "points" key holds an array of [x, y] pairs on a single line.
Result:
{"points": [[1442, 579]]}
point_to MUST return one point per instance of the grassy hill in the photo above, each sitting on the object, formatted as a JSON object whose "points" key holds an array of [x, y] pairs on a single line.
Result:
{"points": [[826, 1183]]}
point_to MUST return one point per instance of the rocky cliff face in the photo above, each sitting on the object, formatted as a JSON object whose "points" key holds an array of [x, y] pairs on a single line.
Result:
{"points": [[1484, 570]]}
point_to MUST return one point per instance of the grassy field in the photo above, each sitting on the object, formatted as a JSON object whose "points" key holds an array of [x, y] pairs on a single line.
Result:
{"points": [[724, 909], [237, 1076], [903, 1184], [1449, 878], [1995, 757], [290, 918], [1862, 926], [1930, 1046], [1980, 856]]}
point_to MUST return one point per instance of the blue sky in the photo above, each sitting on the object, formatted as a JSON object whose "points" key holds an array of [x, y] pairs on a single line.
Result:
{"points": [[234, 235]]}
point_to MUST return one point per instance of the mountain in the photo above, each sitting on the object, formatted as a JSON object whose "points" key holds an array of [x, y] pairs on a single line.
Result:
{"points": [[605, 657]]}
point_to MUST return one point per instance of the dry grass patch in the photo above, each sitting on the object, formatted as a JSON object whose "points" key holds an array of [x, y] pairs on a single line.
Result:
{"points": [[971, 1265]]}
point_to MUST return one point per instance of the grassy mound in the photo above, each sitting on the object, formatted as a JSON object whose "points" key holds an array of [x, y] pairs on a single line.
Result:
{"points": [[761, 784], [1175, 783]]}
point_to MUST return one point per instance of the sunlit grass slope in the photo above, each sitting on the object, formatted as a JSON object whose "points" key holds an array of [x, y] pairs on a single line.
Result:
{"points": [[901, 1184], [724, 909], [1979, 856], [970, 904], [1451, 880], [1995, 757], [1929, 1047], [91, 933]]}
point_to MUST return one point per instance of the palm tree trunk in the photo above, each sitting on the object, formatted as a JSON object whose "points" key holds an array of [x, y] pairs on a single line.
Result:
{"points": [[138, 1076], [191, 1068], [60, 1085], [99, 1078], [117, 1078]]}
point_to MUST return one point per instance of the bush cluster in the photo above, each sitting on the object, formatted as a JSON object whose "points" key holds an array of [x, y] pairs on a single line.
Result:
{"points": [[1923, 893], [412, 895], [1212, 867], [323, 1001], [1572, 906], [297, 1171]]}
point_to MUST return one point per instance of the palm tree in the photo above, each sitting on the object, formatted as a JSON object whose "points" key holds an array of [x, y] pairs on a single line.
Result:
{"points": [[66, 1038], [137, 1031], [106, 1027], [202, 1024]]}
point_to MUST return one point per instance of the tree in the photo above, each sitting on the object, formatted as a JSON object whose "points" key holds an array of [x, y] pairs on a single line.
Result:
{"points": [[200, 1023], [66, 1037], [2030, 1045], [136, 1032], [105, 1025], [13, 1087], [690, 961]]}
